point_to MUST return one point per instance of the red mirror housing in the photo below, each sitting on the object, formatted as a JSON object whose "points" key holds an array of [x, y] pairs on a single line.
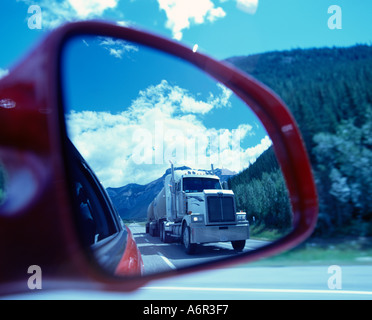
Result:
{"points": [[36, 218]]}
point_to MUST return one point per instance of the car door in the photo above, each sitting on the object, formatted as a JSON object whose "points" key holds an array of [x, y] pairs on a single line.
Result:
{"points": [[99, 225]]}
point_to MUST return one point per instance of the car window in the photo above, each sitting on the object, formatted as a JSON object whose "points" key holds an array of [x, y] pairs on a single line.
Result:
{"points": [[96, 221]]}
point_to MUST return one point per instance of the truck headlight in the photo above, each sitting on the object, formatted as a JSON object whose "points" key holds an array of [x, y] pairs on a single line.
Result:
{"points": [[197, 218], [241, 217]]}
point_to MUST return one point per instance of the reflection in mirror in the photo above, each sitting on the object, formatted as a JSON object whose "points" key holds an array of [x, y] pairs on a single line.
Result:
{"points": [[3, 183], [187, 165]]}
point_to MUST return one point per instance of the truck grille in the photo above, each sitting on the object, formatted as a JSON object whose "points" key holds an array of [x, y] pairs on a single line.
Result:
{"points": [[221, 209]]}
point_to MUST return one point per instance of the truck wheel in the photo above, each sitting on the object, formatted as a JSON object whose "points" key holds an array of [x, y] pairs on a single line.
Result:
{"points": [[161, 234], [164, 236], [238, 245], [186, 238], [154, 230], [151, 231]]}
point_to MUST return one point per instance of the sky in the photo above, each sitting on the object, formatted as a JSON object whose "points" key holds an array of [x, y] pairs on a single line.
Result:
{"points": [[219, 28], [137, 109]]}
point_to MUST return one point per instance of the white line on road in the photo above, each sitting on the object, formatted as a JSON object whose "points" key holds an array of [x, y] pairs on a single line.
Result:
{"points": [[167, 261], [261, 290]]}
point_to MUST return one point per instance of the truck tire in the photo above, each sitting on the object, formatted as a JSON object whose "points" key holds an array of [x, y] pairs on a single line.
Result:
{"points": [[161, 231], [151, 231], [154, 230], [186, 238], [164, 236], [238, 245]]}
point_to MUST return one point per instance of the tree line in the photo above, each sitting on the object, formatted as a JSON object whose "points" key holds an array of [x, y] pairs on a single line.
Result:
{"points": [[329, 92], [260, 191]]}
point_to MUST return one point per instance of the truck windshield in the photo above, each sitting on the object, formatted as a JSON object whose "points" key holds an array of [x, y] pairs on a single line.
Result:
{"points": [[200, 184]]}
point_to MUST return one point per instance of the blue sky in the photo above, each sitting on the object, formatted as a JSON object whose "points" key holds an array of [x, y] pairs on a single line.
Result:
{"points": [[222, 28], [100, 113], [131, 109]]}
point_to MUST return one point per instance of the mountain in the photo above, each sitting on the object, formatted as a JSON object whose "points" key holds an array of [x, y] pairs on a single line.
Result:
{"points": [[321, 86], [329, 92], [132, 200]]}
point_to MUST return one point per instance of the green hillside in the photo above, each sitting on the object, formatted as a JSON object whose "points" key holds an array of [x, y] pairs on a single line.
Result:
{"points": [[260, 191], [329, 91]]}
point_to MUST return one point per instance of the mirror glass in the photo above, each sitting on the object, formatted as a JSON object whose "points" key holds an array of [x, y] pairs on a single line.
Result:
{"points": [[188, 167]]}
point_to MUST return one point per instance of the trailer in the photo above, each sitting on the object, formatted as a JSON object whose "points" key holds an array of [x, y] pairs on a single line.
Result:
{"points": [[193, 208]]}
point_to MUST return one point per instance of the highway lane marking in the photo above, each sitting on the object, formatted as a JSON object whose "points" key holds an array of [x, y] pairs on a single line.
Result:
{"points": [[250, 290], [167, 261]]}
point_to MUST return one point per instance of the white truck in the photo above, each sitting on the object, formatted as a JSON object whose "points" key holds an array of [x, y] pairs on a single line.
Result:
{"points": [[193, 208]]}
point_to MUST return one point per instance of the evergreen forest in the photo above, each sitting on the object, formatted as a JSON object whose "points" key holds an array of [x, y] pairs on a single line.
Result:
{"points": [[329, 92]]}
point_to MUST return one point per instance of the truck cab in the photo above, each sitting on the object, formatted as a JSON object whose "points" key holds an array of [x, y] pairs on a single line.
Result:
{"points": [[192, 185], [195, 209]]}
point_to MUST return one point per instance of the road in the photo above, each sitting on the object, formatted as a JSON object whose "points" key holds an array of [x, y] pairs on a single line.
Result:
{"points": [[237, 283], [299, 282], [159, 257]]}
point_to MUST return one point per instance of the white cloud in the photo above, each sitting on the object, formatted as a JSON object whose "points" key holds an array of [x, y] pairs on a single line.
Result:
{"points": [[56, 12], [250, 155], [3, 72], [249, 6], [135, 146], [89, 8], [181, 13], [170, 99], [123, 23], [189, 104], [117, 47]]}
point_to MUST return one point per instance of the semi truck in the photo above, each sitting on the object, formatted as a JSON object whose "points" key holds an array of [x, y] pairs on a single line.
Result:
{"points": [[194, 209]]}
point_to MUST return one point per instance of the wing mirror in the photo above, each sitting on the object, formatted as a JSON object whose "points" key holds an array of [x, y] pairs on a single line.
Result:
{"points": [[141, 159]]}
